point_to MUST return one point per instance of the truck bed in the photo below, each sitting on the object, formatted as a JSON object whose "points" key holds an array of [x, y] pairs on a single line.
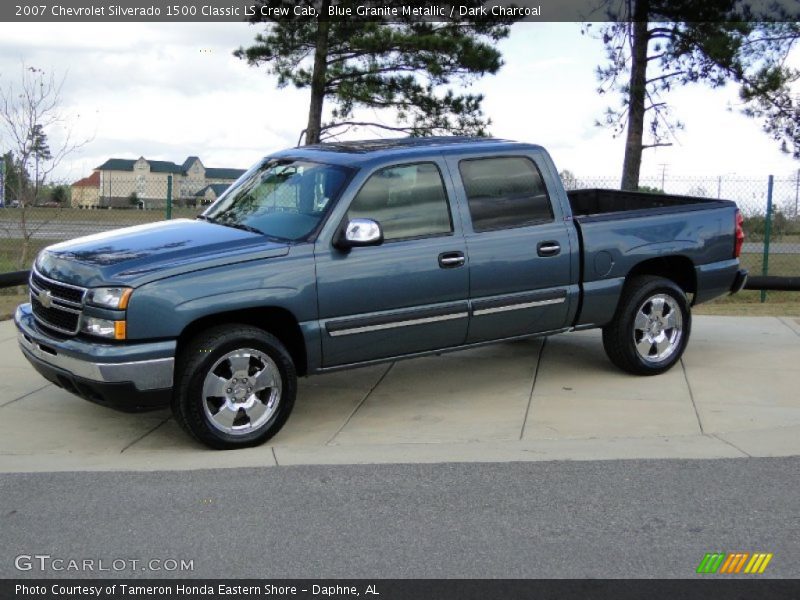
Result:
{"points": [[618, 230], [602, 202]]}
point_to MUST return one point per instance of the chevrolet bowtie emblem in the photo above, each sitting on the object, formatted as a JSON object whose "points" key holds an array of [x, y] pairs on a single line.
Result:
{"points": [[45, 298]]}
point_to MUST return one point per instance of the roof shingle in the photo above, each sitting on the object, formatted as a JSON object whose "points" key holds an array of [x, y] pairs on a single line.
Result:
{"points": [[92, 180], [165, 166]]}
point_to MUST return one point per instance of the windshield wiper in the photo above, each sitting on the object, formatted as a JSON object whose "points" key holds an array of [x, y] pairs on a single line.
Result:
{"points": [[243, 227]]}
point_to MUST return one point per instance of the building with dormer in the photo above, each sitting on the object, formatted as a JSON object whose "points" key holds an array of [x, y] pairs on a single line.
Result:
{"points": [[126, 182]]}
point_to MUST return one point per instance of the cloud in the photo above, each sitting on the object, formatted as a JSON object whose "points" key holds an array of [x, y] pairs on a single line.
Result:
{"points": [[162, 91], [166, 91]]}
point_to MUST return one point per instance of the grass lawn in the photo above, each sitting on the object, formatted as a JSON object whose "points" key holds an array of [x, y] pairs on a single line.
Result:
{"points": [[76, 223], [10, 252], [747, 303], [787, 265], [103, 215]]}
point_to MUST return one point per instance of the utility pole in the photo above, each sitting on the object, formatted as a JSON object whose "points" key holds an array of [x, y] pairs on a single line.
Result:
{"points": [[663, 174], [3, 183], [796, 192]]}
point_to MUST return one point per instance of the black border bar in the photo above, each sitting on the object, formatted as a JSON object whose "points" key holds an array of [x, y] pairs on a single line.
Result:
{"points": [[459, 11], [701, 587]]}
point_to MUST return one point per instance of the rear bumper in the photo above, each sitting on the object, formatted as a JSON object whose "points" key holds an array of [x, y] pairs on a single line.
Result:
{"points": [[739, 281], [718, 279], [129, 377]]}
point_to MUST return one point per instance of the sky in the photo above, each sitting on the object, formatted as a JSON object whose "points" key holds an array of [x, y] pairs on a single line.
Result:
{"points": [[167, 91]]}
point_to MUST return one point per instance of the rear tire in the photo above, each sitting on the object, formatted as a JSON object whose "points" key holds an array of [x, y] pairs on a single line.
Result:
{"points": [[651, 327], [235, 387]]}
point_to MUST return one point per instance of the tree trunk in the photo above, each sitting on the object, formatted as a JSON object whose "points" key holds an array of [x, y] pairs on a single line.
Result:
{"points": [[314, 127], [636, 97]]}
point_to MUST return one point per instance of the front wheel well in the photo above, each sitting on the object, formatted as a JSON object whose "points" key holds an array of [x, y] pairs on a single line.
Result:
{"points": [[278, 321]]}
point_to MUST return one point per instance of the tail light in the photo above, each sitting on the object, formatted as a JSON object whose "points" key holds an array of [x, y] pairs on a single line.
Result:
{"points": [[737, 247]]}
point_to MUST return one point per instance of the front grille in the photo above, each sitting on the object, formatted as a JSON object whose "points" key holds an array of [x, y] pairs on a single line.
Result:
{"points": [[59, 290], [65, 303]]}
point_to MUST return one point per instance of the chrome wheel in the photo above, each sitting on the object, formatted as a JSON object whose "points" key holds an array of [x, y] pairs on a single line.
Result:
{"points": [[241, 392], [657, 328]]}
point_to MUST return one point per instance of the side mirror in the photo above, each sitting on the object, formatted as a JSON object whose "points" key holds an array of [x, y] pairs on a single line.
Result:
{"points": [[361, 232]]}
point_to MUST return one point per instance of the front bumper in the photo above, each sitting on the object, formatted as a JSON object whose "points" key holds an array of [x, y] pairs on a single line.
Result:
{"points": [[129, 377]]}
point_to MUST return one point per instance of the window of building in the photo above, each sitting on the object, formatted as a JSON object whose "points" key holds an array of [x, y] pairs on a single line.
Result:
{"points": [[408, 201], [504, 193]]}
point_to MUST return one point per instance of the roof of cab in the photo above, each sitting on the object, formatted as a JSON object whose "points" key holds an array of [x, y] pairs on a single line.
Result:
{"points": [[362, 152]]}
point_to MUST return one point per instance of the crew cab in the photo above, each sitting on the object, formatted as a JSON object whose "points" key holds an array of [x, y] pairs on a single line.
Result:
{"points": [[340, 255]]}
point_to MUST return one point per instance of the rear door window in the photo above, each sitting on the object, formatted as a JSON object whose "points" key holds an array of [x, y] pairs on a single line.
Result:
{"points": [[504, 193]]}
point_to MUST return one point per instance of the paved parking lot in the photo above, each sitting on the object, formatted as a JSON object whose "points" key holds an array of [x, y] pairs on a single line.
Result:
{"points": [[734, 394]]}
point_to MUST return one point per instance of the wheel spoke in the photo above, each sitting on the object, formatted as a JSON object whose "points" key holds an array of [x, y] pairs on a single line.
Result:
{"points": [[239, 363], [663, 344], [644, 346], [640, 322], [225, 416], [671, 320], [255, 412], [264, 379], [215, 386], [657, 306]]}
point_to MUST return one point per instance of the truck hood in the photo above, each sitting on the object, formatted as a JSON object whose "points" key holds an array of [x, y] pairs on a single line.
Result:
{"points": [[137, 255]]}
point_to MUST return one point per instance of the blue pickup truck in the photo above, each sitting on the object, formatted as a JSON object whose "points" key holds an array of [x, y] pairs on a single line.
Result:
{"points": [[340, 255]]}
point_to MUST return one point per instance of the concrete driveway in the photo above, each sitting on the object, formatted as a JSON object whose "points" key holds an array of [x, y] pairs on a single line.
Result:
{"points": [[734, 394]]}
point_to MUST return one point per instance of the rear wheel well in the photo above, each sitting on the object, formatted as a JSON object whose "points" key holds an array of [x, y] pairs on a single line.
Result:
{"points": [[679, 269], [277, 321]]}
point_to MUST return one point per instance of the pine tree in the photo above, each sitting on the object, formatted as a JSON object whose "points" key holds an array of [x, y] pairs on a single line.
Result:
{"points": [[654, 46], [405, 65]]}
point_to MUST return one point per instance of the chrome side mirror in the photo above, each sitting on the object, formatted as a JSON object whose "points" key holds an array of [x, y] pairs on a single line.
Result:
{"points": [[361, 232]]}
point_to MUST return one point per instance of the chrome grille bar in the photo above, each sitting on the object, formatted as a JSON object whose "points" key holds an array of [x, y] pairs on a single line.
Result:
{"points": [[54, 303]]}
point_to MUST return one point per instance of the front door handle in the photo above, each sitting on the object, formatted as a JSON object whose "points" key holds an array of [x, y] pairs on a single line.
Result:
{"points": [[550, 248], [450, 260]]}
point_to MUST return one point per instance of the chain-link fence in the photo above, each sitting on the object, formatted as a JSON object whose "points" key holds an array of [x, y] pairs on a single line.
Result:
{"points": [[772, 245], [94, 208]]}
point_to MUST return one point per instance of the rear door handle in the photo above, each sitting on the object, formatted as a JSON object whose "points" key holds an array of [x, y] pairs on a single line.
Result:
{"points": [[450, 260], [550, 248]]}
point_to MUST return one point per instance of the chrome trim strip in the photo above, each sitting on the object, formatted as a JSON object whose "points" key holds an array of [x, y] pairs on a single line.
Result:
{"points": [[144, 374], [66, 303], [437, 351], [66, 285], [57, 304], [394, 324], [47, 324], [519, 306]]}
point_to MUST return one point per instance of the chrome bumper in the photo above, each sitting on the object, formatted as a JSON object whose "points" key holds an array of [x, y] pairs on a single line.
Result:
{"points": [[147, 374]]}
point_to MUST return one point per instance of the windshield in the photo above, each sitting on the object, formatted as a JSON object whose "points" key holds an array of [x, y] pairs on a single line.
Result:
{"points": [[281, 198]]}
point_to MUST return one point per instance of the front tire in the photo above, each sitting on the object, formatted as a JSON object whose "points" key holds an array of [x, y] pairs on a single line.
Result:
{"points": [[235, 387], [651, 327]]}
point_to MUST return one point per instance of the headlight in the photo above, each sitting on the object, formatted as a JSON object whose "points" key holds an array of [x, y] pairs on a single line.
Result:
{"points": [[110, 297], [115, 330]]}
